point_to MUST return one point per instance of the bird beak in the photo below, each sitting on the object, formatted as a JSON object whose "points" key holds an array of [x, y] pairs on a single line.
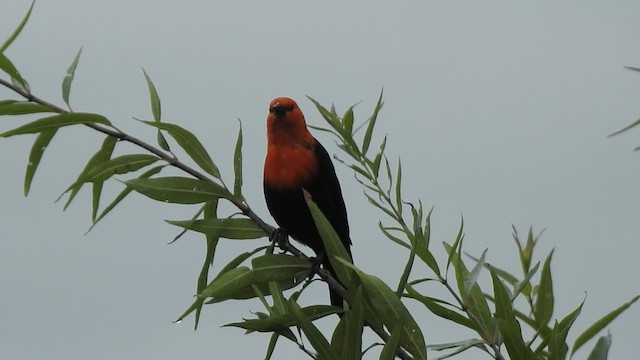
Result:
{"points": [[274, 108], [278, 109]]}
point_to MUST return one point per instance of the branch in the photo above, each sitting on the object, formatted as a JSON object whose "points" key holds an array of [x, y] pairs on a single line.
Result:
{"points": [[169, 158]]}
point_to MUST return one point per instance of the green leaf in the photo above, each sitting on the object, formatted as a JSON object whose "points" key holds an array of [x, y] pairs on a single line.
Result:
{"points": [[96, 191], [55, 122], [118, 166], [202, 279], [105, 170], [102, 155], [460, 346], [475, 300], [509, 326], [228, 283], [406, 273], [237, 165], [279, 322], [272, 346], [13, 107], [37, 150], [601, 324], [601, 350], [391, 237], [630, 126], [235, 262], [329, 116], [375, 166], [543, 308], [556, 338], [123, 194], [191, 146], [472, 278], [240, 282], [557, 346], [389, 308], [372, 123], [439, 310], [347, 121], [229, 228], [156, 108], [427, 257], [332, 244], [210, 212], [316, 339], [178, 190], [351, 343], [524, 284], [7, 66], [399, 188], [17, 31], [392, 345], [279, 302], [270, 267], [456, 244], [632, 68], [68, 79]]}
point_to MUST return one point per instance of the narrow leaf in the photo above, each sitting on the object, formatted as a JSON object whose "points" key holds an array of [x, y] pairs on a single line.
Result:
{"points": [[354, 321], [230, 228], [632, 125], [237, 165], [210, 212], [456, 244], [543, 308], [332, 242], [191, 146], [7, 66], [392, 345], [601, 350], [68, 79], [119, 165], [37, 150], [317, 340], [372, 123], [472, 277], [22, 107], [55, 122], [509, 326], [156, 108], [399, 188], [17, 31], [389, 308], [179, 190], [601, 324], [147, 174], [440, 310], [102, 155]]}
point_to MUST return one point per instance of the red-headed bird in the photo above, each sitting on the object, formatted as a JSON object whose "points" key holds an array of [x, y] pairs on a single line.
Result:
{"points": [[295, 161]]}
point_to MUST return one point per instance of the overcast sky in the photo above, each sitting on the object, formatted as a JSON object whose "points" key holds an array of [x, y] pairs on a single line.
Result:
{"points": [[499, 111]]}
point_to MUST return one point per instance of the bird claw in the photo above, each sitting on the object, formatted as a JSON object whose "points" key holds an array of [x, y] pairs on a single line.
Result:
{"points": [[315, 266], [279, 238]]}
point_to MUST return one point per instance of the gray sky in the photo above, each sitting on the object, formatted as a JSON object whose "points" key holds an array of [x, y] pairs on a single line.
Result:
{"points": [[499, 111]]}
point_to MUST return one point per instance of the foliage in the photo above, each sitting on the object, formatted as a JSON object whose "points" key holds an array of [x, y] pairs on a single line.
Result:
{"points": [[633, 124], [491, 313]]}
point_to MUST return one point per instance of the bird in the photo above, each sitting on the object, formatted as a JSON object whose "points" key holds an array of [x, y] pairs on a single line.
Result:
{"points": [[297, 165]]}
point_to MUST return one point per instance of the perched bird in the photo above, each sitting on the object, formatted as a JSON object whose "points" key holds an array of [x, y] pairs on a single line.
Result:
{"points": [[296, 161]]}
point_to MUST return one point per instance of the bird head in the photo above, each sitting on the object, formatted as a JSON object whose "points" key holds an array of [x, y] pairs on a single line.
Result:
{"points": [[286, 117]]}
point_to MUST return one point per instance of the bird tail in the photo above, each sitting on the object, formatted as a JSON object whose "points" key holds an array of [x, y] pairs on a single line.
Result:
{"points": [[336, 299]]}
